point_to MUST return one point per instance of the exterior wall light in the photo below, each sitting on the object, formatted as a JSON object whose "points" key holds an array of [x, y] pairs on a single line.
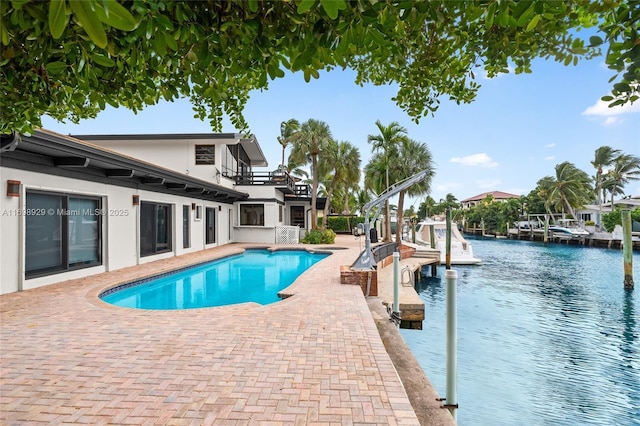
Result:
{"points": [[13, 188]]}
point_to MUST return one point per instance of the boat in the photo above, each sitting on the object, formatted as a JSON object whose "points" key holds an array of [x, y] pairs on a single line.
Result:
{"points": [[568, 228], [461, 249]]}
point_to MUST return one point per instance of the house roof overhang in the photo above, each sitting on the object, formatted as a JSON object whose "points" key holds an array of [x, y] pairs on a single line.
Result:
{"points": [[53, 153], [249, 143], [254, 152]]}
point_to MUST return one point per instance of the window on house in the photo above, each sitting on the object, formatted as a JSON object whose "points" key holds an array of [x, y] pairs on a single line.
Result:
{"points": [[210, 225], [155, 228], [205, 154], [186, 237], [62, 233], [252, 214]]}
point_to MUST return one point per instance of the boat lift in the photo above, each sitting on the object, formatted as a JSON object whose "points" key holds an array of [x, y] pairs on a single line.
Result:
{"points": [[365, 261]]}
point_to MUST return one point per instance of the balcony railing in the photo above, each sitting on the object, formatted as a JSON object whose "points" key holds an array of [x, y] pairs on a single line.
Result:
{"points": [[282, 180]]}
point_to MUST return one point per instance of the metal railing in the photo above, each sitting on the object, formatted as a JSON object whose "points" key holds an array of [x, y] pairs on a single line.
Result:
{"points": [[280, 179]]}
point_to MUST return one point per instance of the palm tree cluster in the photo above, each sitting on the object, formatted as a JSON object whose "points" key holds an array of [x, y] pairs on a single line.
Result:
{"points": [[397, 157], [572, 188], [567, 190], [335, 166]]}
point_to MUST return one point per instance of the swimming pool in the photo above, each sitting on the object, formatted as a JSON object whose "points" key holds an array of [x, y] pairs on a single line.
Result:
{"points": [[253, 276]]}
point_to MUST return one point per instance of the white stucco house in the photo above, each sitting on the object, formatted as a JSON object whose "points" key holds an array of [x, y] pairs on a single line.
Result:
{"points": [[80, 205]]}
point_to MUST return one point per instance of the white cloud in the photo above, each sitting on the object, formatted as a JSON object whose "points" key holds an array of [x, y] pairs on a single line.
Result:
{"points": [[550, 157], [480, 160], [601, 109], [610, 121], [550, 145]]}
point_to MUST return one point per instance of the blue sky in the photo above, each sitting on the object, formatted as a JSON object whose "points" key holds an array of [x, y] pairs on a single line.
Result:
{"points": [[514, 133]]}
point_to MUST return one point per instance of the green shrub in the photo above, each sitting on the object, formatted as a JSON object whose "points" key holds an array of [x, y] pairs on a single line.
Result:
{"points": [[610, 220], [318, 236], [341, 223], [589, 223]]}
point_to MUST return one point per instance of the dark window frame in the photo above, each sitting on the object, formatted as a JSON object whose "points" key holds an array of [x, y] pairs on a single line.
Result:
{"points": [[158, 247], [186, 223], [205, 155], [252, 221], [210, 228], [65, 246]]}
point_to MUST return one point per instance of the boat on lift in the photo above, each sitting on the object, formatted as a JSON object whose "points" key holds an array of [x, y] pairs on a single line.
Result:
{"points": [[568, 228], [461, 249]]}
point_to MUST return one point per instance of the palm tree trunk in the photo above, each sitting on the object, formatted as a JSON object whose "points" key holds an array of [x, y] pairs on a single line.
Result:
{"points": [[570, 209], [325, 212]]}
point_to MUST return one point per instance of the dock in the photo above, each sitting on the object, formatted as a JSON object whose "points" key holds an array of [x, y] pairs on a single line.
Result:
{"points": [[598, 239], [411, 305]]}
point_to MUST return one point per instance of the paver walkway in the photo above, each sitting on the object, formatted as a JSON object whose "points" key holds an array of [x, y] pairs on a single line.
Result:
{"points": [[314, 358]]}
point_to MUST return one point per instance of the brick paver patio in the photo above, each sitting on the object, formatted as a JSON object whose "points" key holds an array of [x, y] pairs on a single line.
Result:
{"points": [[314, 358]]}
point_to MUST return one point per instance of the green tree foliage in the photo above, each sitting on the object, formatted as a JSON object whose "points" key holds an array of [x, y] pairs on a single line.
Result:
{"points": [[340, 161], [71, 58], [287, 130], [414, 157], [343, 223], [568, 189], [387, 142], [610, 220], [604, 157], [534, 203], [319, 236], [497, 216], [425, 209], [626, 168], [309, 142]]}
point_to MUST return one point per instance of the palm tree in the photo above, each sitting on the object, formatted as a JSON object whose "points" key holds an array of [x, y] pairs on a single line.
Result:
{"points": [[426, 207], [375, 182], [605, 156], [308, 143], [625, 168], [544, 188], [388, 141], [414, 157], [340, 160], [570, 188], [346, 168], [363, 196], [287, 130]]}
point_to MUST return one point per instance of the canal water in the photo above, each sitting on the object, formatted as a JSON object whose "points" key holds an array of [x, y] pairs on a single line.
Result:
{"points": [[546, 336]]}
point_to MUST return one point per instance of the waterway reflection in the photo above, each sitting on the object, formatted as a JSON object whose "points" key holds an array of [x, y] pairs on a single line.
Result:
{"points": [[546, 335]]}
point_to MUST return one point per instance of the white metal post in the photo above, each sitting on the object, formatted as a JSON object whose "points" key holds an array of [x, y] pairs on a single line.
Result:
{"points": [[396, 289], [451, 277]]}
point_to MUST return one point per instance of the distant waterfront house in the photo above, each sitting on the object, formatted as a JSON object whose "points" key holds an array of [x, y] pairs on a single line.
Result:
{"points": [[590, 212], [76, 206], [476, 199]]}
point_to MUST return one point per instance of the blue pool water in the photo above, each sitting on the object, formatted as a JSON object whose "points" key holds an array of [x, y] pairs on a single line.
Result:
{"points": [[546, 336], [254, 276]]}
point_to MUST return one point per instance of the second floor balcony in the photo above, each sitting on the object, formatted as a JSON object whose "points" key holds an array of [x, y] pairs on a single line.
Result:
{"points": [[281, 180]]}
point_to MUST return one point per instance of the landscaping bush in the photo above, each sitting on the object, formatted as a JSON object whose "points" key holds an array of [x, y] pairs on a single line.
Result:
{"points": [[341, 223], [318, 236], [610, 220]]}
